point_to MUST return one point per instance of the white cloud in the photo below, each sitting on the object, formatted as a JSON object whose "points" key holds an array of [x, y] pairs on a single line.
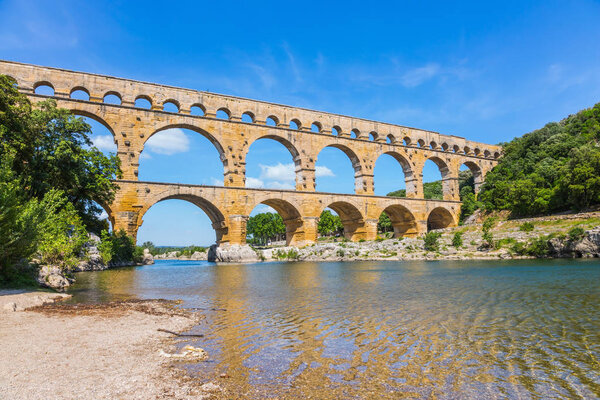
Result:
{"points": [[254, 183], [216, 182], [280, 185], [417, 76], [278, 172], [323, 171], [169, 142], [105, 143], [145, 155]]}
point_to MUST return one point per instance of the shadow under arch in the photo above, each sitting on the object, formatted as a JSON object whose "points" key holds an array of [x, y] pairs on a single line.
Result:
{"points": [[403, 221], [351, 218], [214, 214], [409, 178], [291, 218], [354, 160], [440, 218]]}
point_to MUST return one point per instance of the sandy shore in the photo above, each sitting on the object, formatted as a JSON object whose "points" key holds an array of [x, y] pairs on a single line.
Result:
{"points": [[110, 351]]}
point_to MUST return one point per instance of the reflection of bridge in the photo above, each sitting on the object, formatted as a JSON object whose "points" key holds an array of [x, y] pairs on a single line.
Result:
{"points": [[303, 132]]}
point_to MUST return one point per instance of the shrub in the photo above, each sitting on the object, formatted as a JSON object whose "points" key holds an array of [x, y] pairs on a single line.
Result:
{"points": [[118, 247], [576, 234], [526, 227], [379, 239], [291, 254], [457, 240], [340, 253], [431, 241], [488, 238]]}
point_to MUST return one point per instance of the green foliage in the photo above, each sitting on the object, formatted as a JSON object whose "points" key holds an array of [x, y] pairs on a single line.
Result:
{"points": [[291, 254], [341, 253], [330, 224], [265, 227], [431, 190], [552, 169], [457, 240], [576, 234], [117, 247], [384, 224], [430, 240], [537, 247], [488, 237], [526, 227]]}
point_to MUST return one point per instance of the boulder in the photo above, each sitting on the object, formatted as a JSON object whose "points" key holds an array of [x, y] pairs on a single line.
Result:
{"points": [[147, 258], [199, 255], [53, 278], [92, 259], [588, 246], [232, 253]]}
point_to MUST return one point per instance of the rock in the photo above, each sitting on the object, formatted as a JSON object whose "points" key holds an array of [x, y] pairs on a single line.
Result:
{"points": [[199, 255], [92, 259], [232, 253], [12, 306], [188, 353], [210, 387], [588, 246], [147, 258], [54, 278]]}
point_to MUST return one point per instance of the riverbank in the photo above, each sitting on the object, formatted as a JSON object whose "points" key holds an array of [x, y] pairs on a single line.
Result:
{"points": [[106, 351]]}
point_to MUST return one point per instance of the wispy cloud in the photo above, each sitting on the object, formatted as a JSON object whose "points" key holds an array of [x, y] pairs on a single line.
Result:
{"points": [[105, 143], [418, 76], [169, 142]]}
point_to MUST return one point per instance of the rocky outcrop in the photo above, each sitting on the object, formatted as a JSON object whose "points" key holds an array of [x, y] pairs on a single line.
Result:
{"points": [[172, 255], [54, 278], [232, 253], [587, 247], [147, 258], [91, 258]]}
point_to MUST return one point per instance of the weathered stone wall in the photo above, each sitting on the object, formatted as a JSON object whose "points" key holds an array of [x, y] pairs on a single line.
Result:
{"points": [[363, 141]]}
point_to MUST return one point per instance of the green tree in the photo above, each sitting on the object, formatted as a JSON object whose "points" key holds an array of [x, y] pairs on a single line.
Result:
{"points": [[385, 223], [430, 240], [329, 224], [264, 227]]}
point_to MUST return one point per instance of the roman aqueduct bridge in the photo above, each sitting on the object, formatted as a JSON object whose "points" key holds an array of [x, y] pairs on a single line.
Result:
{"points": [[232, 124]]}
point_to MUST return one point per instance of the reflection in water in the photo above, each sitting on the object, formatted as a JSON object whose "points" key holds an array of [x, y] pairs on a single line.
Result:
{"points": [[384, 329]]}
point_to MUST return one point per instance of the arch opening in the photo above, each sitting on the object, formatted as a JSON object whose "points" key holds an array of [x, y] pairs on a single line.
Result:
{"points": [[271, 121], [274, 222], [435, 185], [272, 162], [393, 176], [248, 117], [143, 102], [170, 154], [80, 93], [439, 218], [336, 130], [181, 220], [295, 124], [112, 98], [197, 110], [315, 127], [406, 141], [338, 170], [398, 221], [43, 88], [223, 113], [390, 139], [171, 106], [345, 220], [354, 133], [373, 136]]}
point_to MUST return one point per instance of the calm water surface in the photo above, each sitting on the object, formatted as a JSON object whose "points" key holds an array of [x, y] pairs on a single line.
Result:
{"points": [[468, 329]]}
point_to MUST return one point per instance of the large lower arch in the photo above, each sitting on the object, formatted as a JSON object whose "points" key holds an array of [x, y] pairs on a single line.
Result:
{"points": [[213, 212], [403, 221], [440, 218], [360, 185], [87, 114], [291, 219], [352, 219]]}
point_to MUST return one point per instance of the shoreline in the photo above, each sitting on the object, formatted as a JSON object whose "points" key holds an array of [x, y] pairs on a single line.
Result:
{"points": [[53, 350]]}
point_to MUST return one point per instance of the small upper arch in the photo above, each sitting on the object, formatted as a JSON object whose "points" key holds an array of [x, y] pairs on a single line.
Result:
{"points": [[373, 136], [79, 93], [248, 117], [295, 124], [445, 146], [390, 139], [336, 130], [171, 105], [112, 97], [143, 101], [486, 154], [467, 150], [316, 127], [407, 141], [44, 88], [223, 113], [272, 121], [355, 133], [420, 143], [198, 110]]}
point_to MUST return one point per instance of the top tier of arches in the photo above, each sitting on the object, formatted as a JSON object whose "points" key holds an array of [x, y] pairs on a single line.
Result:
{"points": [[124, 92]]}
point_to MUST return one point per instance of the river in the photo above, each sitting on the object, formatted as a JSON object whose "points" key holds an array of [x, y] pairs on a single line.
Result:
{"points": [[424, 329]]}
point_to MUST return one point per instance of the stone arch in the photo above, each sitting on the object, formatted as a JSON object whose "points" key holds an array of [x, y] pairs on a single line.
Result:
{"points": [[440, 218], [77, 89], [291, 218], [391, 139], [171, 101], [409, 177], [223, 113], [272, 118], [477, 174], [197, 106], [354, 160], [143, 97], [288, 145], [112, 93], [40, 84], [406, 141], [82, 113], [355, 133], [196, 129], [297, 122], [316, 127], [403, 221], [351, 217], [449, 185], [445, 146], [215, 215]]}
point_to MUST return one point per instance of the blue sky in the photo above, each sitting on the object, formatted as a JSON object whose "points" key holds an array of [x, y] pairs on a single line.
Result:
{"points": [[488, 71]]}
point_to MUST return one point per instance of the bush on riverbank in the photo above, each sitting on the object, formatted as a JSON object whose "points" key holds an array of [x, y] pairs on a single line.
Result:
{"points": [[118, 248]]}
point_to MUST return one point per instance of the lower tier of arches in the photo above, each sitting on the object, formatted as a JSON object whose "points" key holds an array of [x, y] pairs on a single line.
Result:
{"points": [[229, 208]]}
